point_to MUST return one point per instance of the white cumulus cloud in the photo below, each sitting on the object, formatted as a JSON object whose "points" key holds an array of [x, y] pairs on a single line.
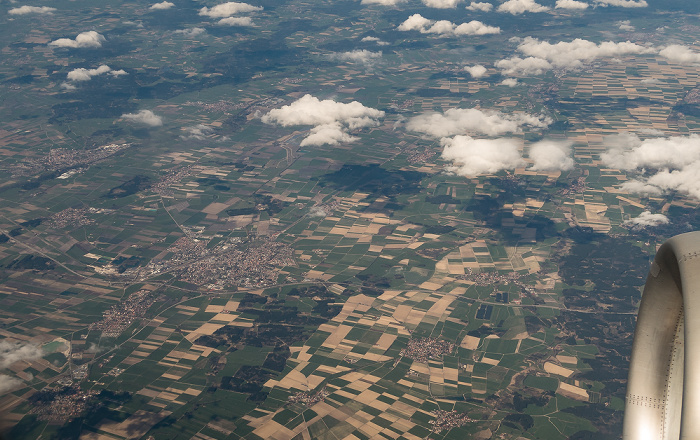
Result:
{"points": [[635, 186], [622, 3], [473, 157], [228, 9], [382, 2], [23, 10], [475, 27], [510, 82], [318, 211], [374, 40], [476, 71], [146, 117], [83, 39], [571, 4], [658, 164], [199, 132], [331, 119], [542, 56], [684, 180], [549, 155], [82, 74], [236, 21], [473, 121], [625, 25], [8, 383], [517, 7], [651, 132], [191, 32], [441, 4], [574, 53], [680, 54], [363, 56], [629, 152], [328, 134], [523, 66], [480, 6], [162, 5], [417, 22], [646, 219], [11, 352], [86, 74]]}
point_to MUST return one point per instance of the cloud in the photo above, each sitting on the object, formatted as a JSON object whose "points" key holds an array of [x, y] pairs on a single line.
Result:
{"points": [[83, 39], [551, 155], [417, 22], [363, 56], [622, 3], [328, 134], [651, 132], [661, 164], [574, 53], [317, 211], [523, 66], [624, 25], [374, 40], [236, 21], [382, 2], [476, 71], [638, 187], [162, 5], [228, 9], [441, 4], [400, 120], [191, 32], [680, 54], [23, 10], [480, 6], [646, 219], [517, 7], [309, 110], [510, 82], [8, 383], [475, 27], [82, 74], [474, 121], [11, 352], [570, 4], [628, 152], [331, 120], [569, 55], [199, 132], [684, 180], [472, 157], [95, 348], [146, 117]]}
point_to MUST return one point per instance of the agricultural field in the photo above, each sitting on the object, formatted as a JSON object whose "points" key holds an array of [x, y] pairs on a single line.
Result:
{"points": [[313, 219]]}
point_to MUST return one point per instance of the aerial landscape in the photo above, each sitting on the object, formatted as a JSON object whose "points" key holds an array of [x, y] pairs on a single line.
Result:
{"points": [[335, 219]]}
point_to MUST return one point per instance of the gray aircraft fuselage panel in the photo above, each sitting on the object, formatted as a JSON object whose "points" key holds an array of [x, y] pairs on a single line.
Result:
{"points": [[663, 388]]}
